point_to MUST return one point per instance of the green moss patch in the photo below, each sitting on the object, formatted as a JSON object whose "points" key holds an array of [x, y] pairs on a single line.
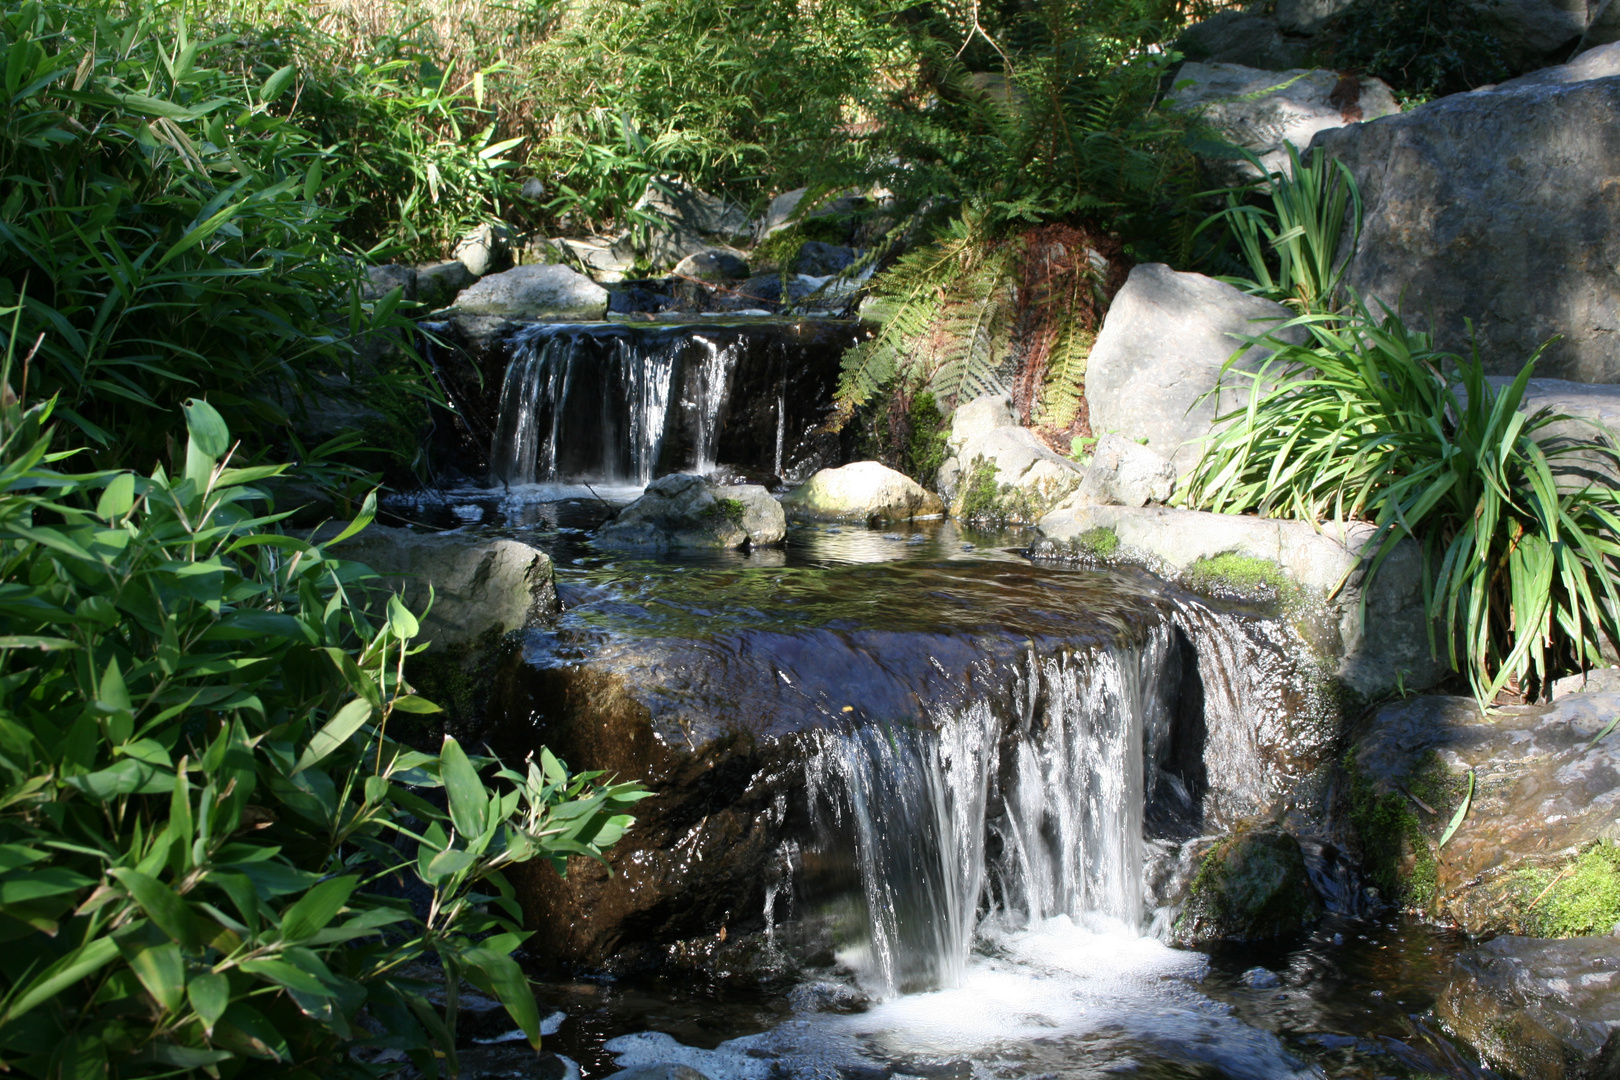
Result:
{"points": [[1580, 898], [1099, 542], [1229, 573], [731, 510], [1399, 847], [1252, 885]]}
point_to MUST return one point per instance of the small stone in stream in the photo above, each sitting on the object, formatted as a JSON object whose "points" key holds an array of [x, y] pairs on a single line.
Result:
{"points": [[893, 536], [1258, 978]]}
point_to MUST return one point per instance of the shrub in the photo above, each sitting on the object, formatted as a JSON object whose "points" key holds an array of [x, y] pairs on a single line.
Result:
{"points": [[1422, 48], [164, 233], [205, 831], [1520, 532]]}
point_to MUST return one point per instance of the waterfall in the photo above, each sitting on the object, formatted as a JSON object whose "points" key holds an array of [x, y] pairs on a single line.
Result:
{"points": [[631, 402], [1027, 812]]}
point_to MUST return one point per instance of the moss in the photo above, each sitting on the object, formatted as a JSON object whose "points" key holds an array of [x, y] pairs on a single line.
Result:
{"points": [[981, 493], [731, 510], [1398, 847], [926, 438], [1580, 898], [1253, 884], [1100, 542], [778, 250], [1230, 572]]}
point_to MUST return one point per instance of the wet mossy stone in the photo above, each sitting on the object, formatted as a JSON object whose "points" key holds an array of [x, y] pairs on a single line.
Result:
{"points": [[1252, 885]]}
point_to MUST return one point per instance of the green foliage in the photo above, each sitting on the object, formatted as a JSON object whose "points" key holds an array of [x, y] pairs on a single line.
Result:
{"points": [[927, 439], [970, 315], [1421, 48], [163, 231], [1292, 249], [1519, 531], [204, 826]]}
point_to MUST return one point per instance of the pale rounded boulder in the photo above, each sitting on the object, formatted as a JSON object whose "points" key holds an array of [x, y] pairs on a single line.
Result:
{"points": [[861, 491]]}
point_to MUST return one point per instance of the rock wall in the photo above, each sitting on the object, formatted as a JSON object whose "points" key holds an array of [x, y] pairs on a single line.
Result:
{"points": [[1500, 207]]}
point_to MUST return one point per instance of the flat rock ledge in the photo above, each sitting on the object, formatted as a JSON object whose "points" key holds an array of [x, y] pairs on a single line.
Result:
{"points": [[1177, 543], [687, 511]]}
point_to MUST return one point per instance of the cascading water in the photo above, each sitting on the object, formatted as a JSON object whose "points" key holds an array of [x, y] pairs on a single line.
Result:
{"points": [[1024, 816], [630, 402]]}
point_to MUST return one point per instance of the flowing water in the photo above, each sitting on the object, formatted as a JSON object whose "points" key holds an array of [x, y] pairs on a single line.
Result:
{"points": [[1000, 769]]}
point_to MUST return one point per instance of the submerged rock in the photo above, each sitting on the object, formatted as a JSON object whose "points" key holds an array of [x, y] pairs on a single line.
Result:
{"points": [[535, 292], [1251, 886], [686, 511], [1543, 809], [1161, 349], [861, 491], [1266, 112], [1539, 1010], [1495, 209], [999, 469]]}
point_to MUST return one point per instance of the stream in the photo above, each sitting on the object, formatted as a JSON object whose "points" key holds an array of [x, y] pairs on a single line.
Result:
{"points": [[991, 782]]}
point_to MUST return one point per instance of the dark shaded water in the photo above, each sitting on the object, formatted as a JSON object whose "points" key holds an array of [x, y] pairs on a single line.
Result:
{"points": [[832, 627]]}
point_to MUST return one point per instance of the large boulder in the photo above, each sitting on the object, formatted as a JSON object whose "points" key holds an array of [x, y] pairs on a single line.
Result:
{"points": [[438, 284], [1000, 469], [1500, 207], [1534, 32], [480, 588], [1160, 351], [713, 264], [1547, 1010], [535, 292], [1266, 112], [609, 259], [1543, 795], [861, 491], [1309, 16], [684, 510], [1242, 37], [1323, 566], [1252, 884]]}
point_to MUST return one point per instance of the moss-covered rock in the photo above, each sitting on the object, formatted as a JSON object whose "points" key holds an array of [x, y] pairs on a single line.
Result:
{"points": [[1252, 885], [1535, 850]]}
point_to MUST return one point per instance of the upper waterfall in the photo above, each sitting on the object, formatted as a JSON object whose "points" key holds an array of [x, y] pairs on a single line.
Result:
{"points": [[630, 402]]}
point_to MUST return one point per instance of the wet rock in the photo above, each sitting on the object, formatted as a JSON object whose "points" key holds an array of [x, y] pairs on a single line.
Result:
{"points": [[1539, 1010], [1124, 473], [1241, 37], [1265, 112], [480, 587], [1161, 348], [380, 280], [485, 250], [1491, 206], [861, 491], [1000, 469], [686, 511], [663, 1071], [1389, 648], [439, 284], [713, 264], [535, 292], [1251, 886], [1543, 797], [816, 259]]}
